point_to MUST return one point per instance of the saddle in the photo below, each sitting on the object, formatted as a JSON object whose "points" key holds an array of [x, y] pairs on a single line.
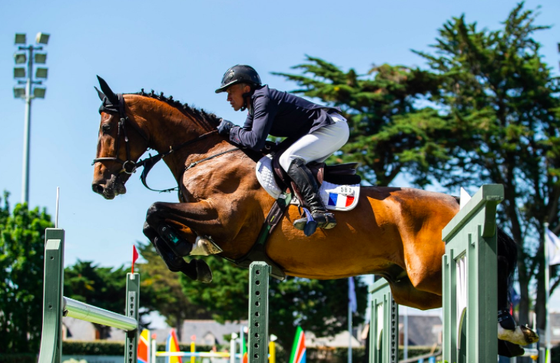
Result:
{"points": [[339, 186], [336, 174], [276, 182]]}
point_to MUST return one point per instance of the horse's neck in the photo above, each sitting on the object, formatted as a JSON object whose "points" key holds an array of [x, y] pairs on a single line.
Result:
{"points": [[168, 128]]}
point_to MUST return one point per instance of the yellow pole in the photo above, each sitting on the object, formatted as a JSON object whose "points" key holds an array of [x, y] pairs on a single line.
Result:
{"points": [[272, 352], [193, 349]]}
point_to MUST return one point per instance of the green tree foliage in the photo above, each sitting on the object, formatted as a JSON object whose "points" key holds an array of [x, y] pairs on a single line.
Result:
{"points": [[22, 235], [389, 131], [485, 111], [104, 287], [501, 99], [318, 306], [162, 291]]}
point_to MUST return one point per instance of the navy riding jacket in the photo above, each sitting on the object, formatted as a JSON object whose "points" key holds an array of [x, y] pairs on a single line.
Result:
{"points": [[278, 113]]}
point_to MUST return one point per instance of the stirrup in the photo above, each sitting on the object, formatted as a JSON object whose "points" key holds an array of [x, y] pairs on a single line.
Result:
{"points": [[306, 224], [314, 220], [325, 220]]}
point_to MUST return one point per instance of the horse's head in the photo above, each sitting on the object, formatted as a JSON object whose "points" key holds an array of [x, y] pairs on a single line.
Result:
{"points": [[121, 142]]}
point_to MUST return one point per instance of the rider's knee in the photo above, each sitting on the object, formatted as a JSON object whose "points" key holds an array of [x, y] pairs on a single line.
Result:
{"points": [[286, 160]]}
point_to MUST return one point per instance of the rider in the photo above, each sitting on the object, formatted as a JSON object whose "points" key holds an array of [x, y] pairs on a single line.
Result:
{"points": [[313, 133]]}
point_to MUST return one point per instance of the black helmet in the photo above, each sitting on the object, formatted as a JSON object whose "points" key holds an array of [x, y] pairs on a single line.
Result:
{"points": [[239, 74]]}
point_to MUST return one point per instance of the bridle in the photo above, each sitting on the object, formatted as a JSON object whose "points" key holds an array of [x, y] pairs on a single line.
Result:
{"points": [[129, 166]]}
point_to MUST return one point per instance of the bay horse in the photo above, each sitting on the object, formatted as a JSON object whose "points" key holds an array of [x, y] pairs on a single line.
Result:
{"points": [[393, 232]]}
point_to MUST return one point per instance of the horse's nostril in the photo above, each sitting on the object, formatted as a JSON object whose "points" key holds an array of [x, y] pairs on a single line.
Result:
{"points": [[97, 188]]}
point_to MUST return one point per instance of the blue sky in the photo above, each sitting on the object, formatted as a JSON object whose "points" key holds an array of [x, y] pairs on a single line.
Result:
{"points": [[182, 48]]}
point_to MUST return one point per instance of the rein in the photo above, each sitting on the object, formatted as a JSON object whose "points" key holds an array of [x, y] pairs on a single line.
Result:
{"points": [[149, 163], [129, 166]]}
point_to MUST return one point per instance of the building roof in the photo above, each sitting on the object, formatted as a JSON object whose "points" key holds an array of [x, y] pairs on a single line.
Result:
{"points": [[422, 329], [209, 332]]}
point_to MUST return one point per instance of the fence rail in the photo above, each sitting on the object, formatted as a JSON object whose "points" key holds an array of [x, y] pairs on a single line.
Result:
{"points": [[79, 310], [55, 305]]}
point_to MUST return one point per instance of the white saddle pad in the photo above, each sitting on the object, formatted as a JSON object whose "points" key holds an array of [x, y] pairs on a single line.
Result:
{"points": [[335, 197]]}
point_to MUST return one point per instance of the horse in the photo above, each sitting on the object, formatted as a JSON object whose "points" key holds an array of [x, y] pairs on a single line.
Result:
{"points": [[393, 232]]}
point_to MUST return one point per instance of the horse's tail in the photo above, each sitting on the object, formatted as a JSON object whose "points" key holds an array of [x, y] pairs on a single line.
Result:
{"points": [[507, 263]]}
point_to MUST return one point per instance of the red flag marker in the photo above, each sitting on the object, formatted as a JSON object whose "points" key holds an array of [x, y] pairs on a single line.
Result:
{"points": [[134, 257]]}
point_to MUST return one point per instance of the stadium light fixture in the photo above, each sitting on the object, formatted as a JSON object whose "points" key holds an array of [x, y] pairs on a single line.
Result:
{"points": [[21, 39], [19, 72], [27, 54], [42, 73], [42, 38], [40, 58], [20, 58], [39, 92], [19, 92]]}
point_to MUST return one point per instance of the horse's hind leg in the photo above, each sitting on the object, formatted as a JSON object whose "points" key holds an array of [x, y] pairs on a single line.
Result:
{"points": [[504, 317], [406, 294], [507, 259]]}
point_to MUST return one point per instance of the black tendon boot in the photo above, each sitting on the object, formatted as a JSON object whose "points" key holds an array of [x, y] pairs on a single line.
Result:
{"points": [[304, 180], [197, 270]]}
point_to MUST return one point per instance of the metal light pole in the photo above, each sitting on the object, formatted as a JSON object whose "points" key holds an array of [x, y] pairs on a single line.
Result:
{"points": [[28, 93]]}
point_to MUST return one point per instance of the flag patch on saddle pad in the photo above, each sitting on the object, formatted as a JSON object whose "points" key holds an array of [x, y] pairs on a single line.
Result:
{"points": [[340, 197], [339, 200]]}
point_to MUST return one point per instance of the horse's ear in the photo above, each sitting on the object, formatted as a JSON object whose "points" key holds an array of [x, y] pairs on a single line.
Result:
{"points": [[99, 93], [108, 92]]}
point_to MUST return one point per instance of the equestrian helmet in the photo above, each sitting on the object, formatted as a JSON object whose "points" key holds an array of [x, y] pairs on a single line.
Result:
{"points": [[240, 74]]}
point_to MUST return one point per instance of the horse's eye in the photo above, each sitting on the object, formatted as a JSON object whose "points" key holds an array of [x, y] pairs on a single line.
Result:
{"points": [[106, 128]]}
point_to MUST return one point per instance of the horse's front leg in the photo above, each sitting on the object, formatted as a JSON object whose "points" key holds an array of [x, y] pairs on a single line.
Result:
{"points": [[200, 218], [170, 227], [195, 269]]}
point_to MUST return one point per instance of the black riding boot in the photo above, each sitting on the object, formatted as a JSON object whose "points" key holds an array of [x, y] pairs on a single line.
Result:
{"points": [[305, 182]]}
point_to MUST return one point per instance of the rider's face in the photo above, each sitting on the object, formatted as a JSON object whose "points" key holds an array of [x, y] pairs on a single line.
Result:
{"points": [[235, 95]]}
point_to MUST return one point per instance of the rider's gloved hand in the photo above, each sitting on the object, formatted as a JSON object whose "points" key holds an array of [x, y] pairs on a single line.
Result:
{"points": [[224, 127]]}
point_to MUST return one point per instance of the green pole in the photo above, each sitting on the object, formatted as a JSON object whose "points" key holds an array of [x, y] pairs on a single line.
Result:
{"points": [[259, 273], [470, 280], [51, 335], [131, 308]]}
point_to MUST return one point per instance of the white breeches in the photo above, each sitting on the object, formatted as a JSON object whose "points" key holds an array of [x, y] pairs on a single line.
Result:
{"points": [[319, 145]]}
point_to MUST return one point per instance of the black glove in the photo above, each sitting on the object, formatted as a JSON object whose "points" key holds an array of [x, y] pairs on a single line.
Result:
{"points": [[224, 127]]}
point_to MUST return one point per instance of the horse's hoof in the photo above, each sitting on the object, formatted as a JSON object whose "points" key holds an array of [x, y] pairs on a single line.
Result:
{"points": [[203, 271], [510, 350], [521, 335], [190, 270], [530, 335]]}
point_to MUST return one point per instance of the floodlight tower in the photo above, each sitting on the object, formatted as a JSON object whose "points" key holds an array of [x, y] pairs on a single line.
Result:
{"points": [[26, 54]]}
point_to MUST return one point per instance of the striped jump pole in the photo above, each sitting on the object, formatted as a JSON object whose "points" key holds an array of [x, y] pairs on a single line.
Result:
{"points": [[56, 305]]}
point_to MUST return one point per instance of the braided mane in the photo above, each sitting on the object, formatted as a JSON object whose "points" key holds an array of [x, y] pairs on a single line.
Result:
{"points": [[198, 114]]}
